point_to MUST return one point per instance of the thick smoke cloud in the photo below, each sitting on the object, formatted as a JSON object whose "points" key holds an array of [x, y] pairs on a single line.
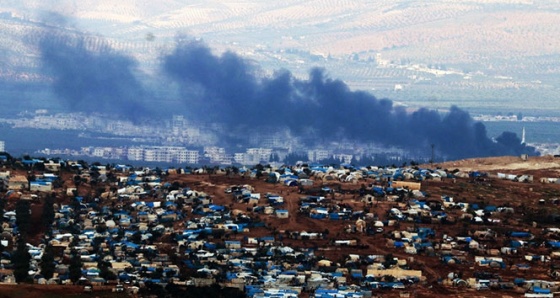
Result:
{"points": [[228, 90], [92, 81]]}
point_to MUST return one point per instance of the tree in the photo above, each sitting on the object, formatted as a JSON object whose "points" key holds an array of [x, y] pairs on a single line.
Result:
{"points": [[154, 289], [235, 170], [274, 157], [389, 278], [75, 268], [20, 260], [48, 211], [293, 158], [136, 237], [23, 217], [47, 262], [2, 205], [77, 181], [105, 270], [389, 261], [259, 174]]}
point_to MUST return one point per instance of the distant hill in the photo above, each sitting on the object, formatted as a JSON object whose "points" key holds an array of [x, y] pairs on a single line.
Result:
{"points": [[492, 54]]}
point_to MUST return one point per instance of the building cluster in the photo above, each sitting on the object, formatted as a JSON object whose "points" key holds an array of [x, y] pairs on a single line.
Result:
{"points": [[213, 242], [175, 131], [207, 155], [153, 230], [175, 139], [183, 155]]}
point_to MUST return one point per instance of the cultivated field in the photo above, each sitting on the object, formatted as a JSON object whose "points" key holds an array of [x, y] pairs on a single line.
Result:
{"points": [[498, 49]]}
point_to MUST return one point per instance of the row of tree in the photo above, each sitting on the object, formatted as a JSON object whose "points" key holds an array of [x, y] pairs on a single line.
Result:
{"points": [[21, 257]]}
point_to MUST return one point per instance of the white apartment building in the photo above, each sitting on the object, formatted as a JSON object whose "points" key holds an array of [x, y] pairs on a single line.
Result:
{"points": [[239, 158], [318, 154], [256, 155], [181, 155], [213, 150], [150, 154], [164, 154], [135, 153], [344, 158], [2, 146], [102, 151], [216, 154], [191, 157], [260, 151]]}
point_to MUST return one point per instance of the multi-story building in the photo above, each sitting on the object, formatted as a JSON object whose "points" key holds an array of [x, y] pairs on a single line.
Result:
{"points": [[257, 155], [163, 154], [344, 158], [215, 154], [150, 154], [135, 153], [239, 158], [118, 153], [100, 151], [318, 154], [2, 146], [192, 156]]}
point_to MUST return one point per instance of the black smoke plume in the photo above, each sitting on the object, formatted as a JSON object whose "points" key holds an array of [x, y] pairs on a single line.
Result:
{"points": [[228, 89], [85, 80]]}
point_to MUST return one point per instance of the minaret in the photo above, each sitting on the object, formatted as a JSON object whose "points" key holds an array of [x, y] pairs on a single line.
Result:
{"points": [[523, 136]]}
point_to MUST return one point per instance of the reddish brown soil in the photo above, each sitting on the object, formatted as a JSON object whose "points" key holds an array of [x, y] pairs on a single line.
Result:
{"points": [[523, 197]]}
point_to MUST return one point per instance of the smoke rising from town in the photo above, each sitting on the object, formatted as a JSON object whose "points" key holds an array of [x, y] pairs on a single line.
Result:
{"points": [[88, 81], [321, 107], [231, 90]]}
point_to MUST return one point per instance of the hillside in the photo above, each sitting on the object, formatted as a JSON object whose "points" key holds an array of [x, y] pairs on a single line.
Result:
{"points": [[535, 165], [533, 204], [496, 50]]}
